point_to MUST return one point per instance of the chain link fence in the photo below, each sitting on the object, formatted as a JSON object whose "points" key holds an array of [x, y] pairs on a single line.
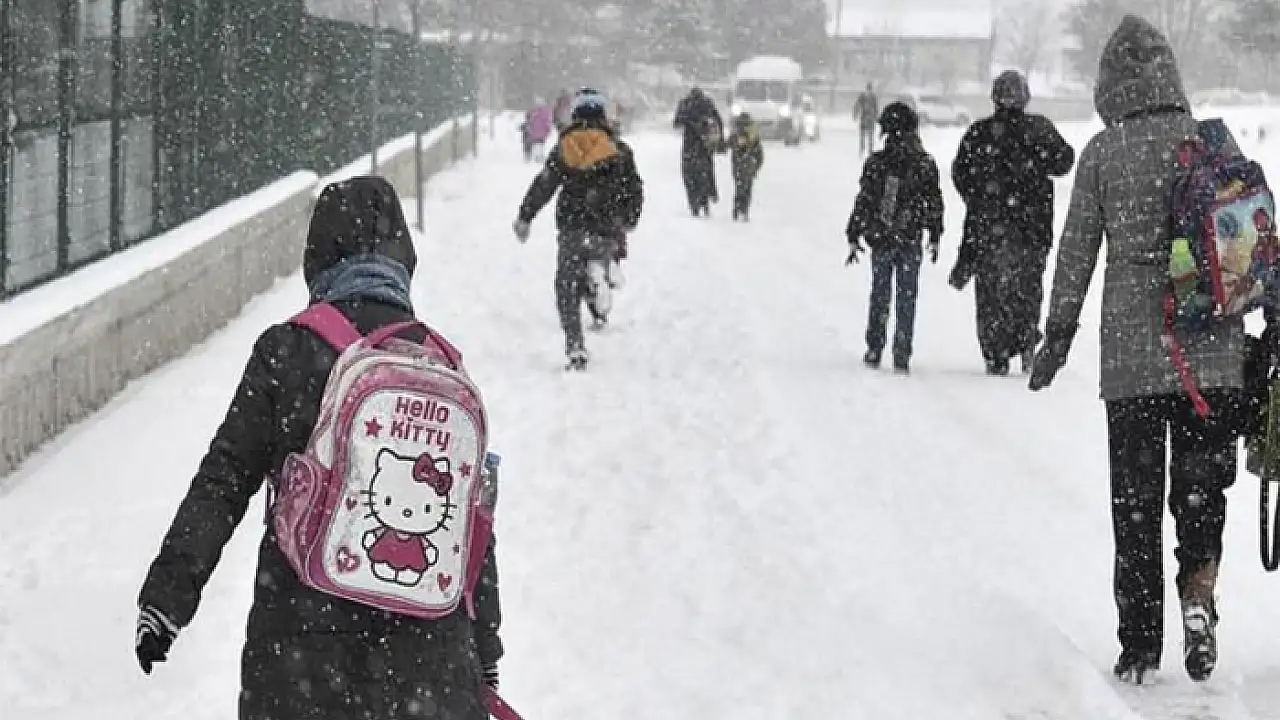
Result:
{"points": [[126, 118]]}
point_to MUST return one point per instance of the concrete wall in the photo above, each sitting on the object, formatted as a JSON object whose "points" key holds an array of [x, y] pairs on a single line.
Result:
{"points": [[70, 363]]}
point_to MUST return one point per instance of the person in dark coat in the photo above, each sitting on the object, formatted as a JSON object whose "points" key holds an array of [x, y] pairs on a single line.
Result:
{"points": [[1004, 171], [601, 199], [309, 655], [703, 130], [866, 110], [899, 201], [1122, 190], [747, 154]]}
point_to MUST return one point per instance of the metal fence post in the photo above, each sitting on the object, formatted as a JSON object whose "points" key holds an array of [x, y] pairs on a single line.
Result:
{"points": [[418, 171], [66, 119], [117, 143], [8, 118], [374, 99]]}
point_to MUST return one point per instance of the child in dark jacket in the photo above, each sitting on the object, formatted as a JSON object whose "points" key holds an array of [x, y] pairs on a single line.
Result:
{"points": [[900, 199], [310, 655], [747, 154]]}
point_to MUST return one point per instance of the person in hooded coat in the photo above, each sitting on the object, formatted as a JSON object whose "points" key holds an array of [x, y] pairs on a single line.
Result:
{"points": [[1122, 192], [1004, 172], [601, 199], [309, 655], [899, 201], [703, 130]]}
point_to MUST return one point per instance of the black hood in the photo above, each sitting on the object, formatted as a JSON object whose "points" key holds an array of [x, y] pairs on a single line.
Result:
{"points": [[356, 217]]}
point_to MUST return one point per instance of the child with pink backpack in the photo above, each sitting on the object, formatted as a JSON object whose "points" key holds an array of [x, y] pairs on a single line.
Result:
{"points": [[376, 593]]}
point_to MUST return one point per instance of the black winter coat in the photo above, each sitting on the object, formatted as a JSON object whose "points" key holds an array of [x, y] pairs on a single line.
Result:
{"points": [[899, 197], [1004, 172], [698, 117], [746, 152], [307, 654], [601, 191]]}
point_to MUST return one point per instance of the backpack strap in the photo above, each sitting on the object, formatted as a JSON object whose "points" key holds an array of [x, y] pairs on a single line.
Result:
{"points": [[498, 707], [450, 352], [330, 324], [1179, 358]]}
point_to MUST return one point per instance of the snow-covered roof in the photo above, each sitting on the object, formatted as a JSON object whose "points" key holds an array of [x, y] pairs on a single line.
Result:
{"points": [[964, 20]]}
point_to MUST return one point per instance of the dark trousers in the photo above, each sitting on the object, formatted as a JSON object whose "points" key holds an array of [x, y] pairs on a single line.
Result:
{"points": [[573, 280], [1202, 465], [889, 265], [699, 172], [743, 182], [1009, 295]]}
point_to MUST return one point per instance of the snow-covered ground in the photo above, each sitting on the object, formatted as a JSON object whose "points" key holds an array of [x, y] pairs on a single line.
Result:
{"points": [[727, 516]]}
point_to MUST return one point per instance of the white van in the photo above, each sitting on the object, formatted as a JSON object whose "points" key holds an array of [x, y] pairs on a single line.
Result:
{"points": [[769, 89]]}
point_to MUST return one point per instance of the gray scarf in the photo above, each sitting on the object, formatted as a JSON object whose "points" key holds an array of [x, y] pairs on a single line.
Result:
{"points": [[369, 277]]}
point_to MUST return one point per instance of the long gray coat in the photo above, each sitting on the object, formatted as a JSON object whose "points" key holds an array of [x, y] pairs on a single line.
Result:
{"points": [[1122, 190]]}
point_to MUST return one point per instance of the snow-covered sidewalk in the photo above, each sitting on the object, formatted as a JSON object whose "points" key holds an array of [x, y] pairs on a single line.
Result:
{"points": [[727, 516]]}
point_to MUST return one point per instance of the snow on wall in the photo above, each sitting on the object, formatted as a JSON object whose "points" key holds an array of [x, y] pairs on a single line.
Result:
{"points": [[70, 346]]}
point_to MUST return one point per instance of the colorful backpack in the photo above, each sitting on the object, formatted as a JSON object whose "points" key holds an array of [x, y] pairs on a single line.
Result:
{"points": [[391, 504], [1225, 257]]}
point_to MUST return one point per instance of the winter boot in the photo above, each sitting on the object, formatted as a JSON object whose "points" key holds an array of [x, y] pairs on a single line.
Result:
{"points": [[998, 367], [902, 365], [1136, 668], [871, 359], [601, 295], [578, 359], [1200, 623]]}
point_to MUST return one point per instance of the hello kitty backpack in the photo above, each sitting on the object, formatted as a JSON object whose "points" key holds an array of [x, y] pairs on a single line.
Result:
{"points": [[390, 505]]}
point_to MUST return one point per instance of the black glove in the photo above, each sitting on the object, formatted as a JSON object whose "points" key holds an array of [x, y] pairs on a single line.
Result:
{"points": [[855, 247], [156, 633], [490, 675], [958, 279], [934, 243], [1051, 357]]}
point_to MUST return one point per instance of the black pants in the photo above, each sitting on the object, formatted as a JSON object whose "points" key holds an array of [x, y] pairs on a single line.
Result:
{"points": [[1009, 293], [698, 168], [573, 280], [743, 182], [1202, 467]]}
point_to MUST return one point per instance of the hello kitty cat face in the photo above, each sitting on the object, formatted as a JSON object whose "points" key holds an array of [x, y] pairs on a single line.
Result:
{"points": [[411, 495]]}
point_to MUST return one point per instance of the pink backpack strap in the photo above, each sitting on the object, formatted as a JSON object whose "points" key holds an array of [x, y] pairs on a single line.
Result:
{"points": [[450, 352], [330, 324], [498, 707]]}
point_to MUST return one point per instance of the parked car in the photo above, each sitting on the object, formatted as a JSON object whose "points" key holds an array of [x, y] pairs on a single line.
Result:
{"points": [[937, 110]]}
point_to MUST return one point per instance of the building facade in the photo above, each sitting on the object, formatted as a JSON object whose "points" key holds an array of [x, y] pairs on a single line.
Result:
{"points": [[895, 47]]}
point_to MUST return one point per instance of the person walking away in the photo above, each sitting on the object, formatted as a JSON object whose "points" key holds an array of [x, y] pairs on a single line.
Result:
{"points": [[747, 156], [1004, 172], [540, 122], [308, 653], [562, 111], [866, 110], [601, 195], [899, 201], [1122, 188], [703, 130]]}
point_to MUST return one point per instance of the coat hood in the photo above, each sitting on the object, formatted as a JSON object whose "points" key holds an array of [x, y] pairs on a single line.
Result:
{"points": [[355, 217], [1138, 73]]}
